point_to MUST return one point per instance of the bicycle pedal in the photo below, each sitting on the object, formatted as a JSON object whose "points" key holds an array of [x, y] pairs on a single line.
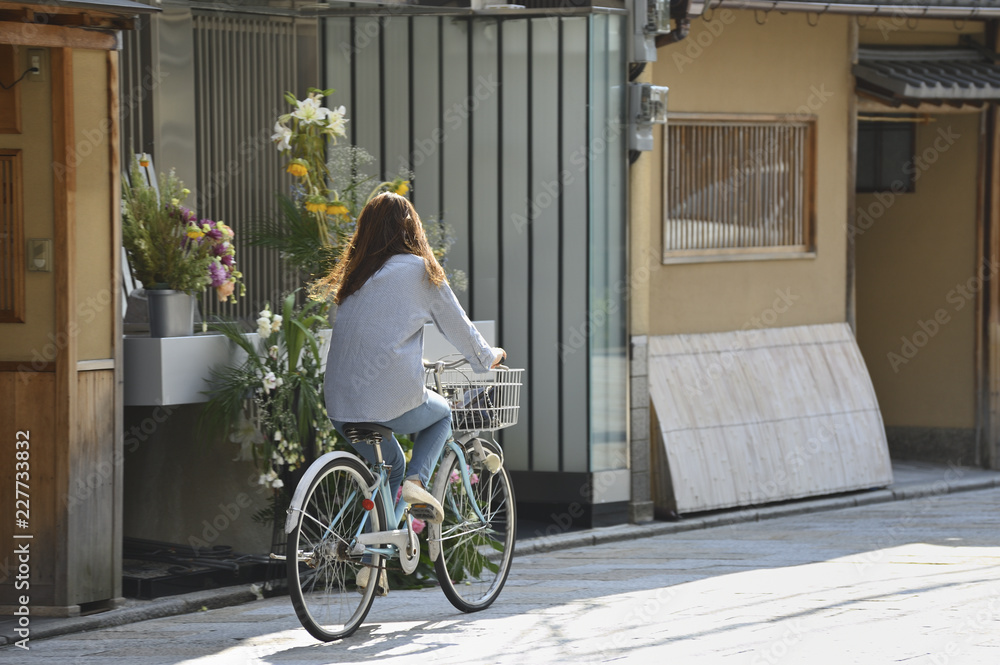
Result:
{"points": [[422, 511]]}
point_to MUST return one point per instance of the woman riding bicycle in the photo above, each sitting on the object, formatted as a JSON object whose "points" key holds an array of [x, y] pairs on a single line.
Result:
{"points": [[387, 286]]}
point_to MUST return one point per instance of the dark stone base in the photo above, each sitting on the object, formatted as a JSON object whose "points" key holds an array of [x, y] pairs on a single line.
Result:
{"points": [[536, 520], [563, 499], [944, 445]]}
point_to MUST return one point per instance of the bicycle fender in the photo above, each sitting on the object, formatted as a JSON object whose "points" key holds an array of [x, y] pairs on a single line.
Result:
{"points": [[306, 481]]}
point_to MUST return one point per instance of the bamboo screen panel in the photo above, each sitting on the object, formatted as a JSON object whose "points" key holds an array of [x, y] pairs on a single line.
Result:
{"points": [[738, 188], [11, 239]]}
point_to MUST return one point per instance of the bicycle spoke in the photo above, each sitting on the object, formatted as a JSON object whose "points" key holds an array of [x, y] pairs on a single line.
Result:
{"points": [[475, 554], [321, 578]]}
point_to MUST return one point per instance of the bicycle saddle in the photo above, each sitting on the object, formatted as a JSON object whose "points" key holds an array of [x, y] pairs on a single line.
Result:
{"points": [[366, 432]]}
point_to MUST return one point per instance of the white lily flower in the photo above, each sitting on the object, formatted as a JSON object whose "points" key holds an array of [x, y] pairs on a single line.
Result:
{"points": [[309, 112], [264, 327], [337, 123], [276, 323], [247, 435], [270, 382], [281, 136]]}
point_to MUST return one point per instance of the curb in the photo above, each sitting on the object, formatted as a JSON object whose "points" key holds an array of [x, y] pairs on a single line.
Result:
{"points": [[229, 596], [187, 603], [739, 516]]}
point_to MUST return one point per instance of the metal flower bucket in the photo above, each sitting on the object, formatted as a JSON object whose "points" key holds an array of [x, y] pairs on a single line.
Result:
{"points": [[171, 313]]}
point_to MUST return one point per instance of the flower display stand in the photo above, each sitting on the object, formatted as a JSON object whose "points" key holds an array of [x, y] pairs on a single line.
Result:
{"points": [[161, 371]]}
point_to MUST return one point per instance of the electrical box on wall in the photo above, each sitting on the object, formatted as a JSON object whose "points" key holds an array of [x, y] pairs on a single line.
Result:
{"points": [[39, 254], [39, 61], [649, 18], [647, 106]]}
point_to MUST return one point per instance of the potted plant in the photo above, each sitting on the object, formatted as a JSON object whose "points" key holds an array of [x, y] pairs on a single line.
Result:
{"points": [[173, 253]]}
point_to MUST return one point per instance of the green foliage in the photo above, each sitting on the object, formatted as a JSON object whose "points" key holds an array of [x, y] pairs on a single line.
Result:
{"points": [[272, 403], [154, 238], [309, 247]]}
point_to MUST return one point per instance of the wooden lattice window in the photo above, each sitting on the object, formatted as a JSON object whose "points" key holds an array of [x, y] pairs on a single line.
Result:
{"points": [[738, 187], [11, 238]]}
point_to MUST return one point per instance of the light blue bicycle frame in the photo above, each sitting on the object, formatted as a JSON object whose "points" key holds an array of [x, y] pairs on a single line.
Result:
{"points": [[380, 492]]}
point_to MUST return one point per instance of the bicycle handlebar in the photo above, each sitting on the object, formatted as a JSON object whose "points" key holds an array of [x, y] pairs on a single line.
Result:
{"points": [[439, 365]]}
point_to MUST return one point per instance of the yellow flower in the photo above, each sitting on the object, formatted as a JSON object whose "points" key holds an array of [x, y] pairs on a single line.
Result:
{"points": [[315, 204], [336, 208], [400, 187], [194, 233], [297, 168]]}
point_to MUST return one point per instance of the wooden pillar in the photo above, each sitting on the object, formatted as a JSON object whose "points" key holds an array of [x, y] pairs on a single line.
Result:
{"points": [[852, 169], [64, 252], [990, 451], [989, 183], [114, 176]]}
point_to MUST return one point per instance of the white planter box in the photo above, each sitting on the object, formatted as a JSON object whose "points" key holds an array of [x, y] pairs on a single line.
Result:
{"points": [[175, 370]]}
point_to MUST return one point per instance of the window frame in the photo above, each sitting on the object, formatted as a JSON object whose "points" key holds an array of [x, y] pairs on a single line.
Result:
{"points": [[806, 250], [907, 121]]}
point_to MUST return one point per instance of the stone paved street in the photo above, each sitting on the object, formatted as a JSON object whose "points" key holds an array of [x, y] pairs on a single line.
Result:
{"points": [[913, 581]]}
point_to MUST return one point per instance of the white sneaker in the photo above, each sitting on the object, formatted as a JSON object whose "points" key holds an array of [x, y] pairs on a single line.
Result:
{"points": [[423, 505], [362, 580]]}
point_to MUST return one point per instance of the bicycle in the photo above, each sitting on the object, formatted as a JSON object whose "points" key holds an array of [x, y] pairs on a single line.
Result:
{"points": [[339, 517]]}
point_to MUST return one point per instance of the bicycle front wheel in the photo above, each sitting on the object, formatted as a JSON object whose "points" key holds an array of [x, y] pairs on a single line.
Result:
{"points": [[475, 556], [322, 560]]}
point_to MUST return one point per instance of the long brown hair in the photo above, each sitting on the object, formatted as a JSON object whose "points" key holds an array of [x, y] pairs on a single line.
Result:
{"points": [[388, 225]]}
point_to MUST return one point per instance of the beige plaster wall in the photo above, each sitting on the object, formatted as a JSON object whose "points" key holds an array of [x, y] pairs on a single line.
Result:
{"points": [[32, 340], [94, 241], [737, 66], [915, 300]]}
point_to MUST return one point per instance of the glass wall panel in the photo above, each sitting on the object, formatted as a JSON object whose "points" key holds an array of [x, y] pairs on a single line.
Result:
{"points": [[608, 283]]}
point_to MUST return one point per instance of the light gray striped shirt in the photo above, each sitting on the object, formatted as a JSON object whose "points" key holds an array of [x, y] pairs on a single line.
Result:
{"points": [[374, 371]]}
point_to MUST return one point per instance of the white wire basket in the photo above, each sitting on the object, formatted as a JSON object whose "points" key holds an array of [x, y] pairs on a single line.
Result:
{"points": [[480, 402]]}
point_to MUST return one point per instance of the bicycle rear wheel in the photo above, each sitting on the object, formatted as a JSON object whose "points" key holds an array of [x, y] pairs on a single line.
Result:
{"points": [[321, 564], [475, 557]]}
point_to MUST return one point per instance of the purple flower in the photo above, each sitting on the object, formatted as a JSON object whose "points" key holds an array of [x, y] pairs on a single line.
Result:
{"points": [[181, 214], [228, 260], [218, 273], [213, 233]]}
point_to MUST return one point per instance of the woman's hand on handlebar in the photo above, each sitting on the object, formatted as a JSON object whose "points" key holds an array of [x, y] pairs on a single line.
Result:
{"points": [[500, 357]]}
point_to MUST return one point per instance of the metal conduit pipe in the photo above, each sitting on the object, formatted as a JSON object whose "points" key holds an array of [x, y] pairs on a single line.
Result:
{"points": [[904, 11]]}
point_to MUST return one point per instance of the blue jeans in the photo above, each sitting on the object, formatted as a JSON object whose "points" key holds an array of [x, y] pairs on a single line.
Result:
{"points": [[430, 423]]}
